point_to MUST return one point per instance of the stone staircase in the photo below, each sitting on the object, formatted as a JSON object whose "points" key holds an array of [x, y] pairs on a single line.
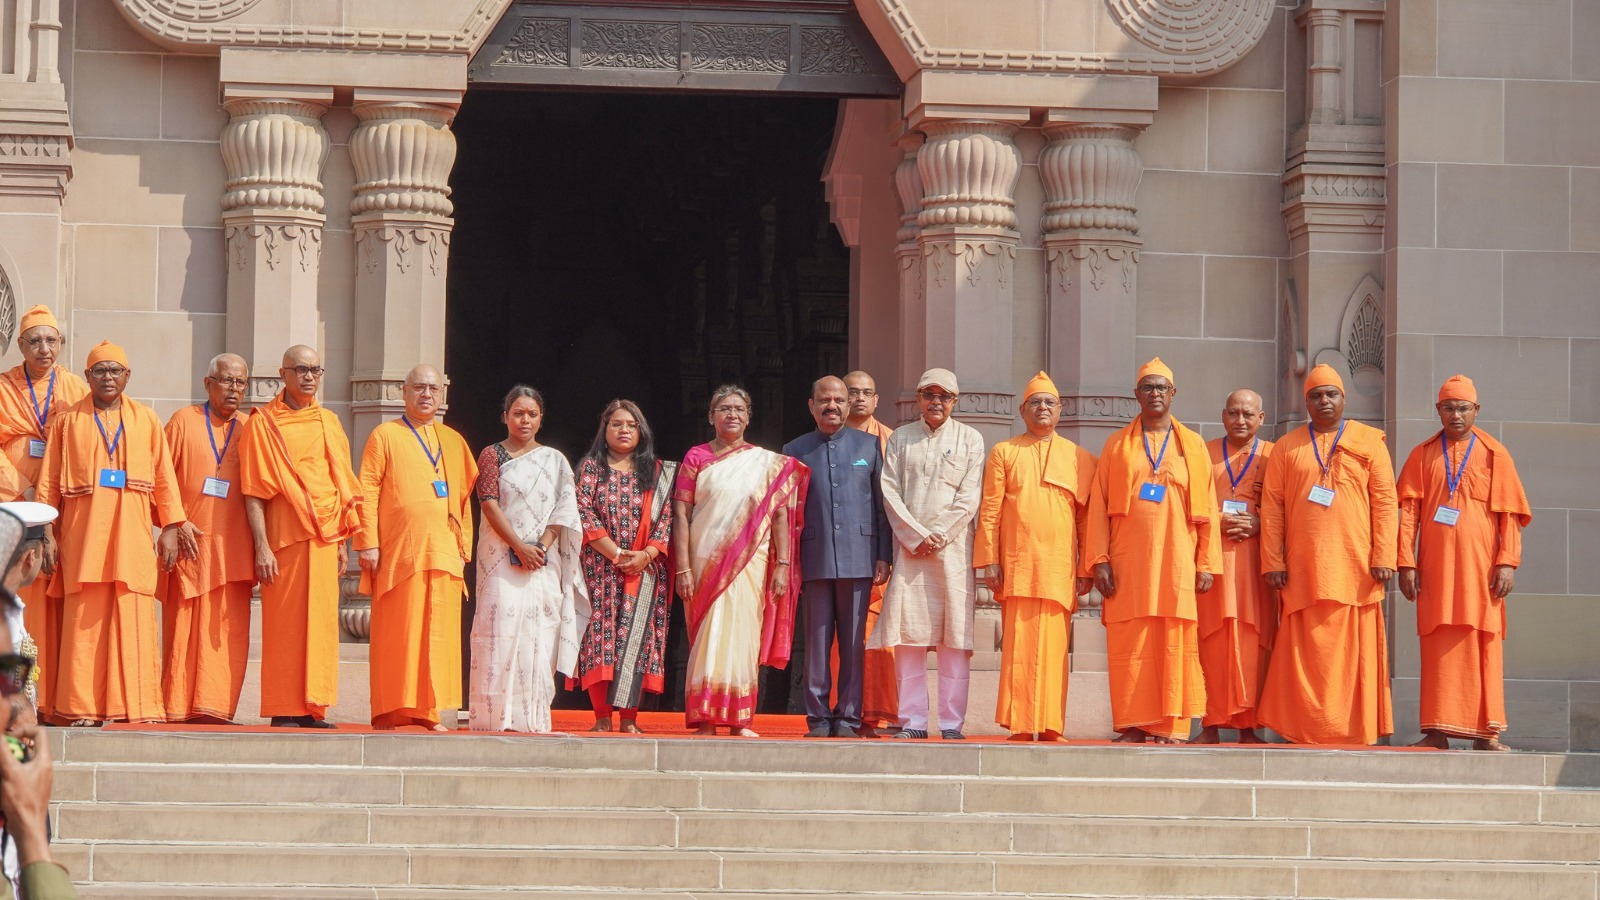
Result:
{"points": [[194, 814]]}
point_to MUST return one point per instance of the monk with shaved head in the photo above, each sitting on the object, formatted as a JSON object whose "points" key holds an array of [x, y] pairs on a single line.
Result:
{"points": [[205, 601], [416, 537], [300, 501], [1240, 618]]}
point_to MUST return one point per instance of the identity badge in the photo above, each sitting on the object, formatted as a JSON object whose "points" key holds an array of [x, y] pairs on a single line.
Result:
{"points": [[441, 489], [216, 487], [1153, 492], [114, 478], [1445, 515], [1235, 508], [1320, 495], [36, 448]]}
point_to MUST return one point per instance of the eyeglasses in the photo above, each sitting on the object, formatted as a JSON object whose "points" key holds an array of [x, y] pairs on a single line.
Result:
{"points": [[229, 382], [1451, 409], [303, 371], [731, 411], [37, 342], [1041, 404], [862, 392], [932, 397], [1155, 389], [107, 372], [14, 671]]}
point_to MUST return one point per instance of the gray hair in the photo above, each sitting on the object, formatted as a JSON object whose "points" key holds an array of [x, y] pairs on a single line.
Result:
{"points": [[215, 369], [731, 390]]}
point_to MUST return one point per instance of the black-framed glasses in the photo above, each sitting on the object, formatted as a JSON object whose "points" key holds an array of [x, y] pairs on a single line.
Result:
{"points": [[14, 671], [1155, 389], [936, 397], [303, 371], [107, 372], [230, 382]]}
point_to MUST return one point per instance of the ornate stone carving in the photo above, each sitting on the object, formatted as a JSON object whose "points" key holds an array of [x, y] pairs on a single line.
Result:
{"points": [[972, 260], [355, 609], [969, 175], [831, 51], [33, 146], [908, 184], [1190, 38], [206, 24], [1098, 409], [402, 154], [1091, 177], [8, 310], [739, 48], [273, 151], [377, 390], [1364, 341], [1104, 262], [422, 245], [263, 388], [538, 42], [630, 45], [280, 243], [986, 406]]}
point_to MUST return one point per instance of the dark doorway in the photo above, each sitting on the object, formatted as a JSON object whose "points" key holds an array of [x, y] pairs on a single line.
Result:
{"points": [[647, 246]]}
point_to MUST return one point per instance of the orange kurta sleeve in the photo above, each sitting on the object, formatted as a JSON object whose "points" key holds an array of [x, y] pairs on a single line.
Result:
{"points": [[226, 545], [23, 406], [986, 534], [299, 461]]}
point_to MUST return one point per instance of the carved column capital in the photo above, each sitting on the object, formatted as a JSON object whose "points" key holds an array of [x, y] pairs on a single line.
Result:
{"points": [[968, 169], [274, 150], [908, 184], [1091, 175], [402, 153]]}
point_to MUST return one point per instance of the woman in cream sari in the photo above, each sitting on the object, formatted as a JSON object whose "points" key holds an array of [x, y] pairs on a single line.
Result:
{"points": [[736, 523], [532, 604]]}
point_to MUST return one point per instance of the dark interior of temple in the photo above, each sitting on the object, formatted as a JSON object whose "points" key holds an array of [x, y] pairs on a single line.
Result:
{"points": [[647, 246]]}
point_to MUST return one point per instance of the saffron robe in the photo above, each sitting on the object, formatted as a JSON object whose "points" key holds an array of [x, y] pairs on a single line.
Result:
{"points": [[1155, 549], [109, 667], [1461, 625], [1032, 522], [1328, 682], [298, 461], [22, 421], [1239, 617], [424, 541], [880, 693], [205, 602]]}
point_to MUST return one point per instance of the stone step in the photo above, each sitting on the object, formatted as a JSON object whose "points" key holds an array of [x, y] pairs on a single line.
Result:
{"points": [[155, 823], [825, 874]]}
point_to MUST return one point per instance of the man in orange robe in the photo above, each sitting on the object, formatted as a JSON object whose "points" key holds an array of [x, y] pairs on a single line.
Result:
{"points": [[1328, 528], [1462, 511], [1239, 619], [205, 602], [107, 470], [416, 537], [1029, 543], [880, 694], [300, 501], [1152, 545], [30, 395]]}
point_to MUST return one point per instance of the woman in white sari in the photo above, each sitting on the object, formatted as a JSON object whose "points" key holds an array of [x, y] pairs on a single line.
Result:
{"points": [[532, 603], [737, 513]]}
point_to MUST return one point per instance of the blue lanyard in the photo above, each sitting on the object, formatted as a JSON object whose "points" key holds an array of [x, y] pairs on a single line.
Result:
{"points": [[1233, 482], [433, 458], [111, 444], [48, 396], [1331, 450], [1454, 481], [1155, 461], [212, 435]]}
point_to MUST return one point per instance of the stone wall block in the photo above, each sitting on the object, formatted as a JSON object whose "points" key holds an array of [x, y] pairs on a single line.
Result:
{"points": [[402, 154], [969, 175], [1091, 177], [274, 151]]}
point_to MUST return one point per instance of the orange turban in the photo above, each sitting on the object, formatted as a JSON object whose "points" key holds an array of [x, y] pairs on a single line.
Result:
{"points": [[39, 315], [1458, 387], [1321, 375], [105, 351], [1041, 384], [1155, 367]]}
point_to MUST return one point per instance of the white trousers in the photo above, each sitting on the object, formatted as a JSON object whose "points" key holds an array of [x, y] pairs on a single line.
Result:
{"points": [[911, 675]]}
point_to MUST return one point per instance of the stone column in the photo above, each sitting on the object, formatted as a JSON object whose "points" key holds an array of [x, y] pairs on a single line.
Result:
{"points": [[1091, 174], [968, 239], [908, 257], [402, 152], [273, 148]]}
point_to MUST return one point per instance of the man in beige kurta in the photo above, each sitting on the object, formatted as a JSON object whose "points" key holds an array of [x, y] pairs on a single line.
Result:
{"points": [[932, 481]]}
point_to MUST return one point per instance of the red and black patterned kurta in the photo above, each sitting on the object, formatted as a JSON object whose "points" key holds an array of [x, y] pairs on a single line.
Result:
{"points": [[610, 503]]}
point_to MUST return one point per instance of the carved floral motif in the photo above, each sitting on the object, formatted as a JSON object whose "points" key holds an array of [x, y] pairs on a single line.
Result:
{"points": [[830, 51], [739, 48], [538, 42], [274, 243], [404, 246], [630, 45], [8, 310], [1103, 262], [1099, 408]]}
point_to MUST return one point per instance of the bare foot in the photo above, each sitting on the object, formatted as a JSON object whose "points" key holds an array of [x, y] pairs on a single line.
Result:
{"points": [[706, 730], [1434, 739], [1163, 739], [440, 727], [1489, 744], [1131, 736], [601, 723], [742, 732], [631, 726], [1207, 735], [1052, 737], [1249, 736]]}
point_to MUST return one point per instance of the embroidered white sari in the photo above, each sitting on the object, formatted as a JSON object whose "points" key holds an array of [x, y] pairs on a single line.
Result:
{"points": [[528, 624]]}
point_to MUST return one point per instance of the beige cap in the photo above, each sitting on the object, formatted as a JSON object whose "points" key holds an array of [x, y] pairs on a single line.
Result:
{"points": [[939, 378]]}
